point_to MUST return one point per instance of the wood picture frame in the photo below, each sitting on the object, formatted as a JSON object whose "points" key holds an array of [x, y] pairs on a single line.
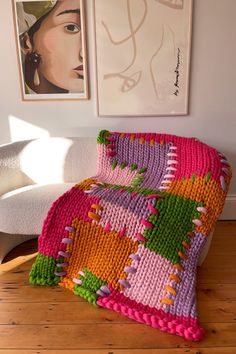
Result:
{"points": [[51, 49]]}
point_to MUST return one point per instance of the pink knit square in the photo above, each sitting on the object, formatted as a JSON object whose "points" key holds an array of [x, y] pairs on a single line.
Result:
{"points": [[147, 283], [117, 176], [122, 219]]}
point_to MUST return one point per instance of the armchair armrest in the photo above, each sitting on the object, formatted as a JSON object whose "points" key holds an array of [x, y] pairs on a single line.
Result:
{"points": [[11, 175]]}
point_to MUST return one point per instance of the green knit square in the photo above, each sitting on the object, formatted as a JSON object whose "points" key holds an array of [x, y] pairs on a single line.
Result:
{"points": [[42, 272], [89, 286], [171, 226]]}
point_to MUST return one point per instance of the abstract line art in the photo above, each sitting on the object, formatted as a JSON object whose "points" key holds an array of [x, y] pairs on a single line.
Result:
{"points": [[143, 56]]}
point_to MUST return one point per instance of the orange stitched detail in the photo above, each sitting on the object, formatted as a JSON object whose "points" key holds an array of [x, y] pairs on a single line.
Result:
{"points": [[94, 216], [141, 140], [97, 207], [167, 301], [132, 137], [122, 135], [152, 142], [161, 142], [179, 267], [170, 289], [191, 234], [175, 278], [86, 184], [185, 244], [182, 255]]}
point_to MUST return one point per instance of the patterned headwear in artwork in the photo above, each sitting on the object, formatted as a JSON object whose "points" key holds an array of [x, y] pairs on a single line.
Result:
{"points": [[29, 12]]}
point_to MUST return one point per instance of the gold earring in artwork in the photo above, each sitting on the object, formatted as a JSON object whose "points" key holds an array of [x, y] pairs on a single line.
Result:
{"points": [[35, 59], [36, 78]]}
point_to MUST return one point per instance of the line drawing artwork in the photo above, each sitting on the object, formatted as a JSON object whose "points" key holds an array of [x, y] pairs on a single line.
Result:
{"points": [[143, 51], [130, 81], [174, 4], [154, 80]]}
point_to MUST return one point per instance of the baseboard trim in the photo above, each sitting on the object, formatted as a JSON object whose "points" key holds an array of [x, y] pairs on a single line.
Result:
{"points": [[229, 210]]}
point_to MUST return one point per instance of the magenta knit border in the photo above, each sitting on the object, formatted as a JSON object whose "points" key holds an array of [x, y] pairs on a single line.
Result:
{"points": [[186, 327], [190, 148]]}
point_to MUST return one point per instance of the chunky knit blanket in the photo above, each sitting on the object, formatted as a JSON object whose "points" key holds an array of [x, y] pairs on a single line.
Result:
{"points": [[129, 238]]}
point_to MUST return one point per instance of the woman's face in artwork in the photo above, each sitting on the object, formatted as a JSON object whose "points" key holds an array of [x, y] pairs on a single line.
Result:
{"points": [[58, 41]]}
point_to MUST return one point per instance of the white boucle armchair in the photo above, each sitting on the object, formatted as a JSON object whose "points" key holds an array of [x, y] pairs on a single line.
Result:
{"points": [[34, 173]]}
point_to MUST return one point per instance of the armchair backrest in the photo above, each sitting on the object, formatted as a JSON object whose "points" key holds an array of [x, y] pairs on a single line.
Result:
{"points": [[46, 160]]}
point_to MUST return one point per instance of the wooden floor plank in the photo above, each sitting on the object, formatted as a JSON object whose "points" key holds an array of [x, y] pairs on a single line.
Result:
{"points": [[217, 292], [215, 270], [27, 293], [83, 312], [229, 350], [221, 350], [97, 336], [57, 313]]}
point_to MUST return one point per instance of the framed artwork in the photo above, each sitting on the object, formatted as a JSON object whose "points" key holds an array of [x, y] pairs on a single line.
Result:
{"points": [[143, 56], [51, 48]]}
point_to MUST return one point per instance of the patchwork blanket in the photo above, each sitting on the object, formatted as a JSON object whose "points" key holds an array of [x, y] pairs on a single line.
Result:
{"points": [[129, 238]]}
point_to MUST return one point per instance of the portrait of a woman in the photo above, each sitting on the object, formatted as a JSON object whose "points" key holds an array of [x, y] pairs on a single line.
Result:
{"points": [[52, 46]]}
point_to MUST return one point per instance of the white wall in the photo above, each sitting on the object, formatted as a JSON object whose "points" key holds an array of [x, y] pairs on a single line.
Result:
{"points": [[212, 115]]}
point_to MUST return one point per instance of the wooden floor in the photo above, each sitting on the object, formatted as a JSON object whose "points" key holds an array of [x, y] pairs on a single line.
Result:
{"points": [[46, 320]]}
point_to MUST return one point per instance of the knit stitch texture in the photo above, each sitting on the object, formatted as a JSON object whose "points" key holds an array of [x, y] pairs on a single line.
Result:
{"points": [[129, 238]]}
